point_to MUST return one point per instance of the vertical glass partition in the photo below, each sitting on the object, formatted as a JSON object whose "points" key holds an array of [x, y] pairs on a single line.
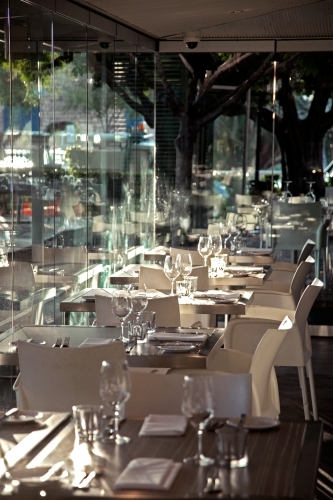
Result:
{"points": [[76, 160]]}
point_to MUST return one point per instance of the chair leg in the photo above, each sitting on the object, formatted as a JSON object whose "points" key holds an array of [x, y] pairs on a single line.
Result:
{"points": [[312, 389], [301, 375]]}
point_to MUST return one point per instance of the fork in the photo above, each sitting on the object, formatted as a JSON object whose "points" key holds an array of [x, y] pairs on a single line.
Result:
{"points": [[58, 342], [65, 342]]}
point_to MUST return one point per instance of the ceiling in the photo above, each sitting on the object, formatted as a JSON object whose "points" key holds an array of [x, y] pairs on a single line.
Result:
{"points": [[168, 20]]}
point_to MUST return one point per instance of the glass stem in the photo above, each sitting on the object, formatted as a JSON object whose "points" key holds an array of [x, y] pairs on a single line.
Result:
{"points": [[172, 292], [200, 442], [116, 419], [122, 329], [205, 261]]}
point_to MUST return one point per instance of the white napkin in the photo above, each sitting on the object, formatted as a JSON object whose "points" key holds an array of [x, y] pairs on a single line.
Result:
{"points": [[148, 474], [245, 269], [163, 425], [190, 337], [91, 341], [218, 294]]}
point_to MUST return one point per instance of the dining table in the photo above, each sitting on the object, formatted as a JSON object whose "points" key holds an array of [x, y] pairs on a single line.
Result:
{"points": [[67, 273], [83, 301], [246, 256], [232, 277], [146, 355], [282, 462]]}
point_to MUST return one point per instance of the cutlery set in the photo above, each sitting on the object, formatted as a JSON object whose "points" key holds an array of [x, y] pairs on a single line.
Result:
{"points": [[62, 343]]}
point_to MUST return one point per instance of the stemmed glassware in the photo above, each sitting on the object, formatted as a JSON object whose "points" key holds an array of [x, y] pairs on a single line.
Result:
{"points": [[223, 233], [205, 247], [115, 389], [286, 193], [122, 307], [310, 196], [197, 406], [216, 244], [139, 301], [184, 263], [171, 271]]}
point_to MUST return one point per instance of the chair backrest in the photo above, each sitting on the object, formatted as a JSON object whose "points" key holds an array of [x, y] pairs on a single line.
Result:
{"points": [[322, 234], [153, 277], [246, 200], [299, 277], [202, 273], [305, 304], [53, 379], [104, 312], [197, 260], [264, 384], [306, 250], [167, 311], [162, 394]]}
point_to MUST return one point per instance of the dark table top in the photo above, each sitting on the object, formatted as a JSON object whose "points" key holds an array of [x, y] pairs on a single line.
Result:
{"points": [[282, 464]]}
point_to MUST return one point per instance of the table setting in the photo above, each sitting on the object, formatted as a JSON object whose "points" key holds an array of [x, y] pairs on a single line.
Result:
{"points": [[181, 455]]}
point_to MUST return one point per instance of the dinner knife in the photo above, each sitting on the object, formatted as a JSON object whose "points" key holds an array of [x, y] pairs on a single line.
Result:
{"points": [[8, 413]]}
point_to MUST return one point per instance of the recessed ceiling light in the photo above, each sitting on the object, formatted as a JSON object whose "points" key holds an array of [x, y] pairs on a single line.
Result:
{"points": [[235, 11]]}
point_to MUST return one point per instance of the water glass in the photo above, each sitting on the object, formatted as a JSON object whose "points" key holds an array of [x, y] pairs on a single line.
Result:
{"points": [[150, 318], [182, 288], [137, 331], [193, 284], [232, 446], [87, 421]]}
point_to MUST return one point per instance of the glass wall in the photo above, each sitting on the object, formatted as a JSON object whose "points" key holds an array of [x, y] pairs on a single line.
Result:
{"points": [[77, 188]]}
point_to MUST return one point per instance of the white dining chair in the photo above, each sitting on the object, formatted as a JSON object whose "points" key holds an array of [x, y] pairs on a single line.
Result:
{"points": [[162, 394], [281, 295], [305, 252], [53, 379], [153, 277], [166, 309], [244, 334], [197, 260], [265, 392]]}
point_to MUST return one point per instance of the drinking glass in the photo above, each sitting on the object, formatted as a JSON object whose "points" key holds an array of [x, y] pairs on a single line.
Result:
{"points": [[171, 271], [139, 300], [205, 247], [122, 307], [216, 244], [185, 264], [310, 196], [115, 389], [223, 233], [287, 193], [197, 406]]}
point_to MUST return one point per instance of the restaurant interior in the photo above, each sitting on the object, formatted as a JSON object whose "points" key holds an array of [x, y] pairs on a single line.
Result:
{"points": [[166, 200]]}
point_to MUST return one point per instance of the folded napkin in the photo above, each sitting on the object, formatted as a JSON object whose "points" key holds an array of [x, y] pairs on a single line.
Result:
{"points": [[245, 269], [148, 474], [191, 337], [217, 294], [258, 251], [89, 342], [163, 425]]}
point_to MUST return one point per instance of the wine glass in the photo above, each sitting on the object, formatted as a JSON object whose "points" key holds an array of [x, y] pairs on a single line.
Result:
{"points": [[310, 196], [287, 193], [139, 300], [122, 307], [184, 263], [223, 233], [115, 389], [197, 406], [171, 271], [216, 244], [205, 247]]}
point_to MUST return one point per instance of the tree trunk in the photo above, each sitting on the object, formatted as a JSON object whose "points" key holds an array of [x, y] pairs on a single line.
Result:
{"points": [[184, 155]]}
